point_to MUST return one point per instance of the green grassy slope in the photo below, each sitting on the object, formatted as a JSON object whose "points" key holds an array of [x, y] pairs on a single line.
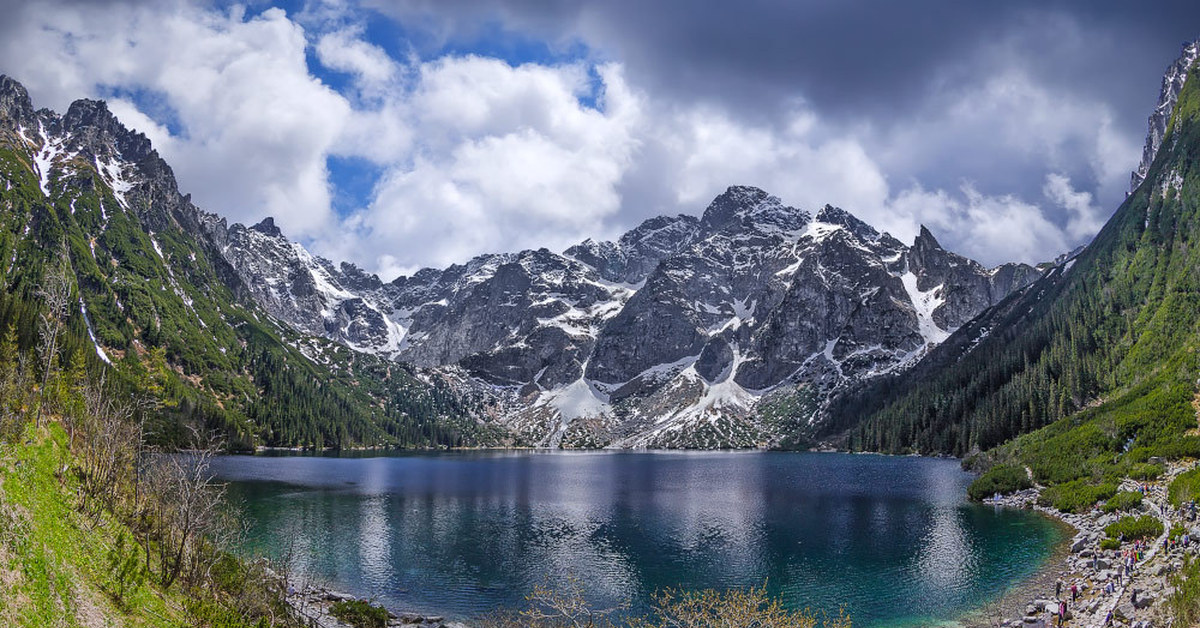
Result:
{"points": [[55, 566]]}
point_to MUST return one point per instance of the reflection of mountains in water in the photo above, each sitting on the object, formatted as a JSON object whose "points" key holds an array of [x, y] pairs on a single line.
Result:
{"points": [[461, 534]]}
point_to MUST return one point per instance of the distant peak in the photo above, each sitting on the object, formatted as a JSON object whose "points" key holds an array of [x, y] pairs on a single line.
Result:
{"points": [[925, 240], [838, 216], [267, 226], [14, 99], [732, 204]]}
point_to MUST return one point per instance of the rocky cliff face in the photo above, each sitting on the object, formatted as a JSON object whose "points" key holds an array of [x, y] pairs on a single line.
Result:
{"points": [[1172, 84]]}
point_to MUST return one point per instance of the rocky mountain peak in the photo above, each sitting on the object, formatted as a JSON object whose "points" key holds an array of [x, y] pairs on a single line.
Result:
{"points": [[1172, 85], [925, 241], [95, 129], [14, 100], [838, 216], [732, 204], [267, 227]]}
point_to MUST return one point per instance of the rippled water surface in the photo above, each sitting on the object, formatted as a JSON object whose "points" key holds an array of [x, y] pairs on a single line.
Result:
{"points": [[892, 540]]}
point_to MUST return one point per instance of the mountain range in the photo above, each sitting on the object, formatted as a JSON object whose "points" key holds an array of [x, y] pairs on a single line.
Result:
{"points": [[751, 324]]}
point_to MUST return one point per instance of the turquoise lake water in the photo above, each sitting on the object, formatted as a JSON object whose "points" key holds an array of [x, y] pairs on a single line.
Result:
{"points": [[893, 541]]}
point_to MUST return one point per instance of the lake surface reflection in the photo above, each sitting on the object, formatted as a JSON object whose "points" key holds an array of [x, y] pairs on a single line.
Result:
{"points": [[891, 540]]}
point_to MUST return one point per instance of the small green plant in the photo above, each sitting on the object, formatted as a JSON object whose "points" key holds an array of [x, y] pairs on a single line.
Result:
{"points": [[360, 614], [125, 567], [1125, 500], [1134, 528], [1110, 544]]}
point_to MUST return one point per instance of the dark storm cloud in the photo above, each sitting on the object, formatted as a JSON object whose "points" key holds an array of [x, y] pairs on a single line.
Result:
{"points": [[850, 57], [893, 74]]}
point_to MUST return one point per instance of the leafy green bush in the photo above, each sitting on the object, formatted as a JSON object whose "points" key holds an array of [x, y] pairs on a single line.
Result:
{"points": [[1125, 500], [1185, 487], [1134, 528], [1002, 478], [1110, 544], [1076, 496], [1146, 471], [360, 614]]}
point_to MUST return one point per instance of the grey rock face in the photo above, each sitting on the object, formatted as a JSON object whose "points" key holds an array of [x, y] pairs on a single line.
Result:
{"points": [[1172, 84]]}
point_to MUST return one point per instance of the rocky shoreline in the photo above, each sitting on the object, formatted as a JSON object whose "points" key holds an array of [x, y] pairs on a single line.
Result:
{"points": [[313, 604], [1135, 601]]}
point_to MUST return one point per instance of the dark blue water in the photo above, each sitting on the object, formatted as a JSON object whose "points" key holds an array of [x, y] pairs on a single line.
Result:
{"points": [[893, 541]]}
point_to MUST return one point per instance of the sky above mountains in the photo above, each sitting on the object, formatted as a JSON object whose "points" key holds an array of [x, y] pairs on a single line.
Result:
{"points": [[407, 134]]}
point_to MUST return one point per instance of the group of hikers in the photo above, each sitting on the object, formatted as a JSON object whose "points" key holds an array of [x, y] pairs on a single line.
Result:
{"points": [[1130, 558]]}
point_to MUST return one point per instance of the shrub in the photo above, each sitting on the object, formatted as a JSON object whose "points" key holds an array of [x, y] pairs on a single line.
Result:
{"points": [[1076, 496], [1134, 528], [736, 607], [1110, 544], [1146, 471], [1002, 478], [1185, 487], [360, 614], [1125, 500]]}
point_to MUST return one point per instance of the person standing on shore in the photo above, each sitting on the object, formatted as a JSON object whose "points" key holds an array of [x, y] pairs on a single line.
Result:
{"points": [[1062, 612], [1058, 588], [1074, 592]]}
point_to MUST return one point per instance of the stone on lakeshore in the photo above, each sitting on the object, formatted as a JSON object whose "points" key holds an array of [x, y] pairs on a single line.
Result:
{"points": [[1102, 563], [1087, 553], [1144, 601], [1078, 544], [337, 596], [410, 618]]}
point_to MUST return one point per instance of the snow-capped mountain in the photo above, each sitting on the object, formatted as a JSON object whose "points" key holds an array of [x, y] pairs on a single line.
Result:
{"points": [[677, 334]]}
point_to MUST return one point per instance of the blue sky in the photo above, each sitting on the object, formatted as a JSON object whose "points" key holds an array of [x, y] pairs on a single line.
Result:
{"points": [[401, 134]]}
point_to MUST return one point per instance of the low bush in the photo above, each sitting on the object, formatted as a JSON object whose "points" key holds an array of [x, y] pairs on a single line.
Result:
{"points": [[1125, 500], [360, 614], [1110, 544], [1145, 471], [1076, 496], [1134, 528], [1002, 478], [1185, 487]]}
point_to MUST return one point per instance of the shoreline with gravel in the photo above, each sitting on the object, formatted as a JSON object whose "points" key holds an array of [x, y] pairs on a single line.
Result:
{"points": [[1136, 602]]}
